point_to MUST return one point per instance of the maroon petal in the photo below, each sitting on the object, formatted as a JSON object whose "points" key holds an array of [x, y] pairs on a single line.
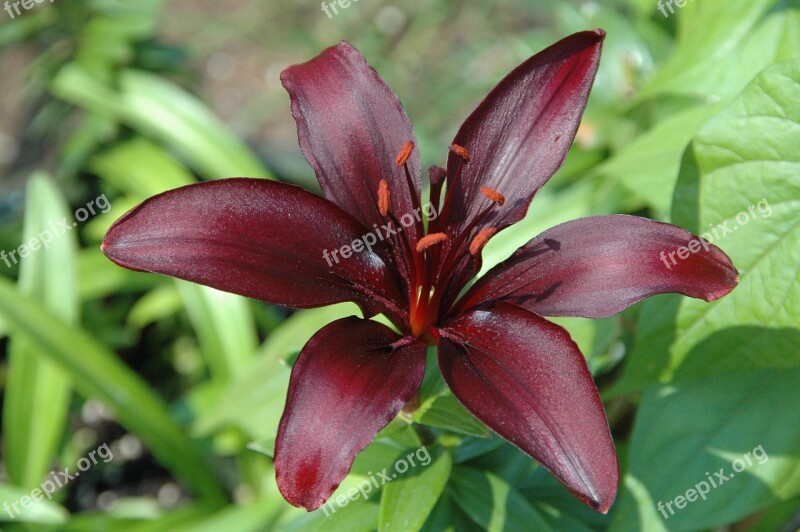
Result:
{"points": [[595, 267], [527, 381], [519, 135], [351, 128], [257, 238], [349, 381]]}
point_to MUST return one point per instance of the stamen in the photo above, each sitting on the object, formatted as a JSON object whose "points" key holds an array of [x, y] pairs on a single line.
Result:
{"points": [[461, 151], [405, 153], [383, 197], [437, 175], [480, 240], [493, 195], [430, 240]]}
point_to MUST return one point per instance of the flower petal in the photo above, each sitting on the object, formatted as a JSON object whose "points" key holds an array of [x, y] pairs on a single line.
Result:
{"points": [[351, 128], [598, 266], [527, 381], [349, 381], [256, 238], [519, 135]]}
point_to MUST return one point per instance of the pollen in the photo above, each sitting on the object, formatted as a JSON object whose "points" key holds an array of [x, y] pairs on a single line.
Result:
{"points": [[493, 195], [383, 197], [430, 240], [461, 151], [405, 153], [481, 239]]}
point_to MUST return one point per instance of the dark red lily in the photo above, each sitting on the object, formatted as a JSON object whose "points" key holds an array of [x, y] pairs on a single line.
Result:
{"points": [[520, 374]]}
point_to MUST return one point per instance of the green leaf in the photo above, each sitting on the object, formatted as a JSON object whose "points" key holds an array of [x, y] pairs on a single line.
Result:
{"points": [[444, 411], [252, 402], [355, 516], [259, 514], [43, 512], [723, 44], [688, 431], [492, 503], [648, 167], [97, 372], [37, 394], [157, 304], [740, 188], [164, 112], [140, 167], [224, 325], [292, 334], [407, 501], [98, 277]]}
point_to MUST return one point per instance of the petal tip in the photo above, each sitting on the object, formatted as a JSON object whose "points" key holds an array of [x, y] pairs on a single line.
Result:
{"points": [[599, 498]]}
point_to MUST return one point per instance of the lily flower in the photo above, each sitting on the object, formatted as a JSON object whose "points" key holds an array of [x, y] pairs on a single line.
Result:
{"points": [[367, 242]]}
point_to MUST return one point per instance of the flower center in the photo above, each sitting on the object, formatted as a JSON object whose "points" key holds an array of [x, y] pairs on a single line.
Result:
{"points": [[437, 254]]}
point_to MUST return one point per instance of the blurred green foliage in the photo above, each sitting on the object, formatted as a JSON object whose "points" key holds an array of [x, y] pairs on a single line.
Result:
{"points": [[691, 120]]}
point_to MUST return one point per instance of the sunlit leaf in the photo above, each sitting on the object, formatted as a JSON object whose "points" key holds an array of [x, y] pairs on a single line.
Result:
{"points": [[37, 394]]}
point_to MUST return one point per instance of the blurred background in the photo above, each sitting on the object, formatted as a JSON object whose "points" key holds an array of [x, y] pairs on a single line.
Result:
{"points": [[107, 102]]}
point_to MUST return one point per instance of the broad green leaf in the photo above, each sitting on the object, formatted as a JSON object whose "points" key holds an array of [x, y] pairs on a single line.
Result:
{"points": [[723, 44], [407, 501], [492, 503], [97, 372], [740, 187], [37, 394], [42, 511], [742, 425]]}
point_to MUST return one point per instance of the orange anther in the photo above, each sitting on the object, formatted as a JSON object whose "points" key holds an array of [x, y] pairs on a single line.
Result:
{"points": [[405, 153], [493, 195], [481, 239], [461, 151], [383, 197], [430, 240]]}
